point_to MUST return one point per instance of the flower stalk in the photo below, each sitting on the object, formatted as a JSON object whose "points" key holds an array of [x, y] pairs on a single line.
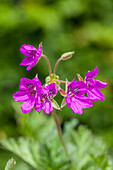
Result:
{"points": [[49, 66], [59, 132], [56, 65]]}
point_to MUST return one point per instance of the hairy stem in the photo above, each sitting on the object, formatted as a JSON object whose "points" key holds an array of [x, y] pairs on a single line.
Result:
{"points": [[49, 67], [59, 131], [56, 65], [60, 81]]}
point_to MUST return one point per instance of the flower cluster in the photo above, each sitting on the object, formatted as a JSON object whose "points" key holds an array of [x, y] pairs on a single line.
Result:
{"points": [[78, 95]]}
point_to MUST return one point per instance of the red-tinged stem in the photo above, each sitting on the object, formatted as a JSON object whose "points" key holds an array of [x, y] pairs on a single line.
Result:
{"points": [[59, 132], [49, 67], [61, 81], [56, 65]]}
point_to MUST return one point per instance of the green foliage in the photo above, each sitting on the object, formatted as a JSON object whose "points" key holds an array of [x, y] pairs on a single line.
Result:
{"points": [[10, 164], [44, 151]]}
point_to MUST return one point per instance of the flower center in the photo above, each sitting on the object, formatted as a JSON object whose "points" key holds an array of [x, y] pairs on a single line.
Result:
{"points": [[32, 52], [90, 83], [29, 86], [73, 90]]}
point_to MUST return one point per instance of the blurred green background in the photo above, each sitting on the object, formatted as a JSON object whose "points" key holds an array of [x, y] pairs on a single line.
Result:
{"points": [[85, 27]]}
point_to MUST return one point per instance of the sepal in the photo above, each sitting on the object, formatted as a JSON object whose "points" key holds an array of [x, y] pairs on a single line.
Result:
{"points": [[55, 104], [79, 77], [52, 78], [63, 102], [62, 92]]}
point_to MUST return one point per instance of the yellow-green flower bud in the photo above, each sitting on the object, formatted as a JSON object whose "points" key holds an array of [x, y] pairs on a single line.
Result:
{"points": [[67, 55]]}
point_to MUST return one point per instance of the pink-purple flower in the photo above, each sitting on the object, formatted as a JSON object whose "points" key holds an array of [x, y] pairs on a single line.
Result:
{"points": [[32, 95], [75, 99], [43, 100], [93, 86], [32, 55], [27, 93]]}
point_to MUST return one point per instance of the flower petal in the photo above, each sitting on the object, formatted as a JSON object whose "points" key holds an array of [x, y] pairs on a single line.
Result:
{"points": [[35, 60], [83, 101], [48, 108], [68, 101], [27, 106], [92, 73], [21, 96], [52, 89], [38, 104], [27, 61], [81, 92], [76, 108], [36, 82], [26, 84], [95, 95], [100, 84], [39, 51], [28, 50], [77, 103]]}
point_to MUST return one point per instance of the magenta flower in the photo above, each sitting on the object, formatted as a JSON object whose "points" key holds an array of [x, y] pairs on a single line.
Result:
{"points": [[43, 100], [93, 86], [75, 99], [32, 55], [28, 93]]}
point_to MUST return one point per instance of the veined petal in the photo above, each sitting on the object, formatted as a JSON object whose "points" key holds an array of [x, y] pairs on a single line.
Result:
{"points": [[36, 81], [83, 101], [76, 108], [38, 104], [27, 61], [45, 90], [95, 95], [21, 96], [92, 73], [48, 108], [35, 60], [28, 50], [100, 84], [27, 106], [81, 92], [26, 84], [79, 103], [68, 101], [52, 89], [77, 84]]}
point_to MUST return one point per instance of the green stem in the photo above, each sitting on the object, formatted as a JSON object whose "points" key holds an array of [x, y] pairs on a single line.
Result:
{"points": [[59, 131]]}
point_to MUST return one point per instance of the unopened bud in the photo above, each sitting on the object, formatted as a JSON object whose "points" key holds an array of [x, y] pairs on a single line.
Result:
{"points": [[67, 55]]}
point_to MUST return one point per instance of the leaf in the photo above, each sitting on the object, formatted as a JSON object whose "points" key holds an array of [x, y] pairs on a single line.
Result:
{"points": [[55, 104], [86, 151], [24, 148], [63, 102], [10, 164]]}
